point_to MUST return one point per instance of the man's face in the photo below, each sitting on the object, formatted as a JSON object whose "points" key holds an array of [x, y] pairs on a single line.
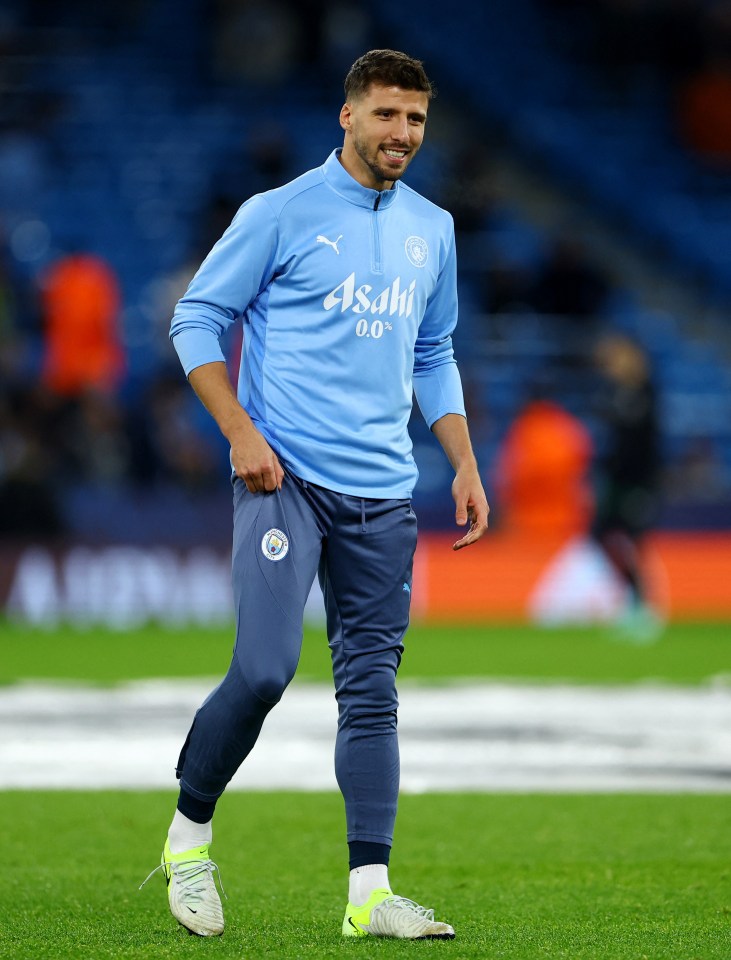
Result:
{"points": [[383, 132]]}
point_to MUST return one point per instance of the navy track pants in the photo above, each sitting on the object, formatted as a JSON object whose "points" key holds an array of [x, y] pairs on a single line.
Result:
{"points": [[363, 552]]}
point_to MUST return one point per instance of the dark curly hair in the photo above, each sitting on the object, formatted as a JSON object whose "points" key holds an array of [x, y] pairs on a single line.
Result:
{"points": [[390, 68]]}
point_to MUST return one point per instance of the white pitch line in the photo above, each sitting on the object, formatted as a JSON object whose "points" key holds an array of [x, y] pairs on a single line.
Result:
{"points": [[466, 736]]}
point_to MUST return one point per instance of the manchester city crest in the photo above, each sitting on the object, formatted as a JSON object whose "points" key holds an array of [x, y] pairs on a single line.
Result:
{"points": [[274, 544], [417, 251]]}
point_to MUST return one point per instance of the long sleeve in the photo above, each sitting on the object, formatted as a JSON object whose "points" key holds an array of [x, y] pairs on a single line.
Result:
{"points": [[437, 382], [235, 271]]}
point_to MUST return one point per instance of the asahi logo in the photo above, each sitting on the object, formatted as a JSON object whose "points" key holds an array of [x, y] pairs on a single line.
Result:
{"points": [[392, 300]]}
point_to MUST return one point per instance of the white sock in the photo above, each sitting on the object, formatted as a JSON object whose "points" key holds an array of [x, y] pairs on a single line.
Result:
{"points": [[364, 880], [185, 834]]}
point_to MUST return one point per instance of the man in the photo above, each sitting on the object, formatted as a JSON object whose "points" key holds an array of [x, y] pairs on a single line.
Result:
{"points": [[346, 283], [629, 475]]}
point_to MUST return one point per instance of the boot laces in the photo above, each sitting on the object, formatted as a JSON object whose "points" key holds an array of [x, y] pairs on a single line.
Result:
{"points": [[191, 874], [403, 903]]}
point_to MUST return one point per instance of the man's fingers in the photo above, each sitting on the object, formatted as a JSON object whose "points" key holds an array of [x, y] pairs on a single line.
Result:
{"points": [[264, 479], [477, 528], [464, 542], [472, 537], [469, 538], [252, 481], [273, 476], [269, 480]]}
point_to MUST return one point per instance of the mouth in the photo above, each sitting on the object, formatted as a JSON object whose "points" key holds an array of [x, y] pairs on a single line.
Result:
{"points": [[395, 155]]}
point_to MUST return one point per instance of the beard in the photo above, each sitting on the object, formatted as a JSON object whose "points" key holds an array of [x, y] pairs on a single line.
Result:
{"points": [[381, 170]]}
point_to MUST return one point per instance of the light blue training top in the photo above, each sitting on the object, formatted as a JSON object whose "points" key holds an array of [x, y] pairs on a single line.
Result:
{"points": [[348, 298]]}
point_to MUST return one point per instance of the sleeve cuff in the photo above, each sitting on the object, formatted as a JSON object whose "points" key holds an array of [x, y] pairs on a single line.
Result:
{"points": [[439, 392], [196, 346]]}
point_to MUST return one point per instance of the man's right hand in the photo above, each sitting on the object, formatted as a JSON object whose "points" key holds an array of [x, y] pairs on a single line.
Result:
{"points": [[255, 462]]}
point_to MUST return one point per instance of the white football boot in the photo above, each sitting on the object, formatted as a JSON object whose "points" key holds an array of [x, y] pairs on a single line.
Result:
{"points": [[386, 915], [192, 893]]}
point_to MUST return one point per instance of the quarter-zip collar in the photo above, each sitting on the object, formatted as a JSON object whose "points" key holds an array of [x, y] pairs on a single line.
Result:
{"points": [[343, 184]]}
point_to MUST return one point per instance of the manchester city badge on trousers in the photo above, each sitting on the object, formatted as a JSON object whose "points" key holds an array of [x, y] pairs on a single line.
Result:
{"points": [[274, 544]]}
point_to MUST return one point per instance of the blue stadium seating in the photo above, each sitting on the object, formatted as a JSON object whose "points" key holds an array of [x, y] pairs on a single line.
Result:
{"points": [[136, 152]]}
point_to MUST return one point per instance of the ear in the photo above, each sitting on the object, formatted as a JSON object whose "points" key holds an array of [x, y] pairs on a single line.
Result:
{"points": [[346, 114]]}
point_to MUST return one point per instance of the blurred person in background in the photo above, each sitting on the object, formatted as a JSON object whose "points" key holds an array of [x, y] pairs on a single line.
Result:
{"points": [[29, 434], [94, 446], [345, 281], [628, 473], [83, 364], [703, 101], [81, 304], [168, 445], [29, 505], [19, 320], [542, 470], [704, 114]]}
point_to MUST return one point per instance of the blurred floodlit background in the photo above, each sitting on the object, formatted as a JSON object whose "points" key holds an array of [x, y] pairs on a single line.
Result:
{"points": [[584, 150]]}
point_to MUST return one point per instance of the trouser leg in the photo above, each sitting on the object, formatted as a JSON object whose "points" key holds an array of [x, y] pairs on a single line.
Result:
{"points": [[365, 573], [269, 600]]}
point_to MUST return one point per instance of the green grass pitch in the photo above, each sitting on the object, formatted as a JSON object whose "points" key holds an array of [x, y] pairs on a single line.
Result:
{"points": [[520, 877], [686, 653]]}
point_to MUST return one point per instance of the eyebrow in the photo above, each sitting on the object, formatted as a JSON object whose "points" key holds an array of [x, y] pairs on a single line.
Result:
{"points": [[421, 114]]}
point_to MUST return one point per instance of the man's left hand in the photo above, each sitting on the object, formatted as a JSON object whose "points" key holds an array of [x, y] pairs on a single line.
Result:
{"points": [[469, 497]]}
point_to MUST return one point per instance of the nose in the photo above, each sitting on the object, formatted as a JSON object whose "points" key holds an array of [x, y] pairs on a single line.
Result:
{"points": [[400, 130]]}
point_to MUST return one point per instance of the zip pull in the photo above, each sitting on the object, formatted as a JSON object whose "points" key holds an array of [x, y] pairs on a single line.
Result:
{"points": [[378, 200]]}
